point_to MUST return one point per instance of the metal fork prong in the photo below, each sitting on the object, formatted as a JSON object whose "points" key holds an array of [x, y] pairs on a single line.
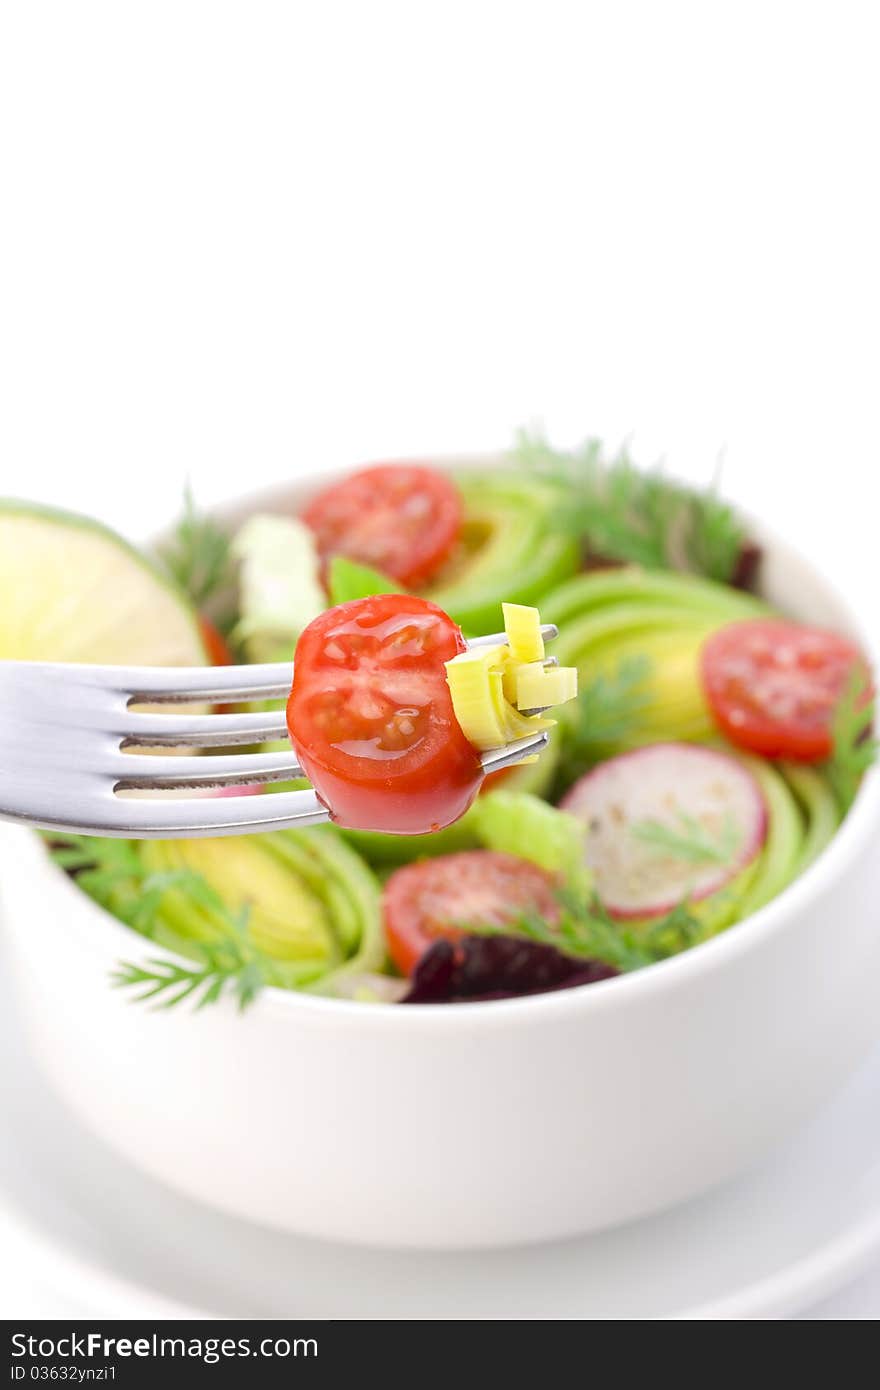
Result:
{"points": [[499, 639], [156, 772], [222, 684], [139, 730], [242, 769], [234, 684], [497, 758], [245, 815], [238, 770], [198, 817]]}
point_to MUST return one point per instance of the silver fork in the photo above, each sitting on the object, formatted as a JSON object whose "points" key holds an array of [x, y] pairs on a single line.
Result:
{"points": [[65, 732]]}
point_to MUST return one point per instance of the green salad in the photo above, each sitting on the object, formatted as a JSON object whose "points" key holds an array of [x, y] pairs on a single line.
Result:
{"points": [[709, 756]]}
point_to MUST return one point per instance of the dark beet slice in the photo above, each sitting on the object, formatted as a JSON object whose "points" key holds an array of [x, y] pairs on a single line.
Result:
{"points": [[593, 560], [496, 967], [748, 562]]}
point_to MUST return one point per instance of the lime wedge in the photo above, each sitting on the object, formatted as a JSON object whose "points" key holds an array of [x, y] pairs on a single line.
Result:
{"points": [[72, 590]]}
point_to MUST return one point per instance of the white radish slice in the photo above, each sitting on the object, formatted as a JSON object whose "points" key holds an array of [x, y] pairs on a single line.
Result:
{"points": [[186, 793], [667, 822]]}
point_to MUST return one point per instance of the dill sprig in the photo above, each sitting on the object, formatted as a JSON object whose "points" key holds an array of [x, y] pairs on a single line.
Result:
{"points": [[607, 711], [230, 965], [853, 744], [689, 840], [587, 932], [113, 873], [198, 553], [642, 517]]}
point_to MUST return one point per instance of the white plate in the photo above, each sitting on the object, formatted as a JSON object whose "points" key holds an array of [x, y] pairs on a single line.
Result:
{"points": [[114, 1242]]}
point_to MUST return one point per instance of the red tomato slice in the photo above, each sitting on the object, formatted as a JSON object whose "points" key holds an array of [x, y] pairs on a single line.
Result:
{"points": [[399, 518], [773, 685], [370, 716], [215, 643], [217, 651], [481, 887]]}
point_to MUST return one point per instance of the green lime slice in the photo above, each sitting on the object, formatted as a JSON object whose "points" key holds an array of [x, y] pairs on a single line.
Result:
{"points": [[72, 590]]}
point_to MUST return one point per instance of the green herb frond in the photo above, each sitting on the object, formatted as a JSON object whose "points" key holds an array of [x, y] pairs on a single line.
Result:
{"points": [[113, 873], [689, 840], [198, 553], [853, 743], [586, 931], [641, 517], [229, 966], [603, 718]]}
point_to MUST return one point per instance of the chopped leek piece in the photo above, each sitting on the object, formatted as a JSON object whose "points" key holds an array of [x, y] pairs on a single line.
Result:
{"points": [[481, 719], [523, 628], [514, 725], [539, 686], [484, 684]]}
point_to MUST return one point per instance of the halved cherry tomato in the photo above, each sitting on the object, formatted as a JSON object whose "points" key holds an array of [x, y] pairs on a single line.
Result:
{"points": [[215, 643], [370, 716], [217, 651], [478, 887], [399, 518], [773, 685]]}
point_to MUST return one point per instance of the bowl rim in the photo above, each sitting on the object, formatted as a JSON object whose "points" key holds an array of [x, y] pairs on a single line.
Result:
{"points": [[850, 840]]}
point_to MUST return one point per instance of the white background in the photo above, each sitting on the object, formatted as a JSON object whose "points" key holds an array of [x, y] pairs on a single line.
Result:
{"points": [[241, 241]]}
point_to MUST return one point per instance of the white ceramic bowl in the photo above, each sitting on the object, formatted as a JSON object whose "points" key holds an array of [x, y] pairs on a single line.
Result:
{"points": [[469, 1125]]}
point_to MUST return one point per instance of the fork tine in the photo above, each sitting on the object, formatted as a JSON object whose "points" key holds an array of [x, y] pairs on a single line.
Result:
{"points": [[197, 684], [246, 815], [237, 770], [200, 730], [497, 758], [199, 817], [499, 639], [231, 684], [241, 769]]}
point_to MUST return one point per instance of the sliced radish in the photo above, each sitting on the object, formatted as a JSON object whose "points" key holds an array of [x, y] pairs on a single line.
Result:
{"points": [[187, 793], [667, 822]]}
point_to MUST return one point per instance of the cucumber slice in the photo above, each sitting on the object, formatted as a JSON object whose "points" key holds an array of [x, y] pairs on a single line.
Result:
{"points": [[818, 804], [784, 847], [287, 919], [607, 618], [510, 550], [313, 904], [73, 590], [631, 584], [586, 638]]}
